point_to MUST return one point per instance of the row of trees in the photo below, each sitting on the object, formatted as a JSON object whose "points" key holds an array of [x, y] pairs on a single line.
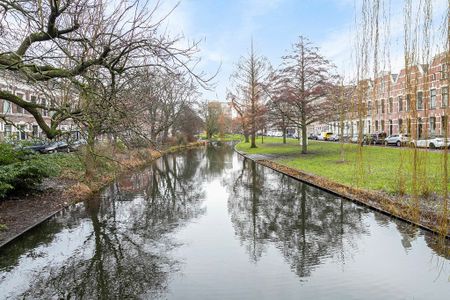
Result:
{"points": [[106, 66], [296, 94]]}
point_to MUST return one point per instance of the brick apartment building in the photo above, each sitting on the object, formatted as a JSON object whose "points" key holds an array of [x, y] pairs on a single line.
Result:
{"points": [[21, 124], [389, 99]]}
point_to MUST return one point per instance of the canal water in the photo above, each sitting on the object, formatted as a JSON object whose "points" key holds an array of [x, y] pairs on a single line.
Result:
{"points": [[208, 224]]}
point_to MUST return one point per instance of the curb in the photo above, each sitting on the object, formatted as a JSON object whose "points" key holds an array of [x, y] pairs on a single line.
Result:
{"points": [[352, 199], [6, 242]]}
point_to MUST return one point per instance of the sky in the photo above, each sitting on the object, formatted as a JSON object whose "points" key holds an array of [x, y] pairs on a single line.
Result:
{"points": [[225, 29]]}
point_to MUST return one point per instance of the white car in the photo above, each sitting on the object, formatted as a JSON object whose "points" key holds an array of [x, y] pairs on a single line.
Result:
{"points": [[433, 142], [397, 139], [334, 138]]}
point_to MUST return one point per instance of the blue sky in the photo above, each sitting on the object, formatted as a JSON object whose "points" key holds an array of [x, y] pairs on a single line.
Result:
{"points": [[226, 27]]}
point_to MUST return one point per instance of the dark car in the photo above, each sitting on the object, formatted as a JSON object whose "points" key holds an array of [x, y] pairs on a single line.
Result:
{"points": [[75, 146], [60, 146], [378, 138], [37, 147]]}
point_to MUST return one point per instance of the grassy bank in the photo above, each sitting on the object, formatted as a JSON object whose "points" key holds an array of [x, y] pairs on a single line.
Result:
{"points": [[224, 138], [111, 163], [382, 179], [386, 169]]}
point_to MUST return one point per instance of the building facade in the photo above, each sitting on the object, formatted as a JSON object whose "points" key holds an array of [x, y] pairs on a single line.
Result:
{"points": [[414, 101], [17, 123]]}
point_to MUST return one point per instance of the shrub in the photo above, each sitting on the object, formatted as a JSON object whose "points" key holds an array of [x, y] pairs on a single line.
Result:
{"points": [[21, 169]]}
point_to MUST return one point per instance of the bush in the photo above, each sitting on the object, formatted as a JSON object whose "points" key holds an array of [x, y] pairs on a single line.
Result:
{"points": [[21, 169]]}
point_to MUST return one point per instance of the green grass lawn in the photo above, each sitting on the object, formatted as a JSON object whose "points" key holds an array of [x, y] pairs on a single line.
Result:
{"points": [[225, 138], [383, 168]]}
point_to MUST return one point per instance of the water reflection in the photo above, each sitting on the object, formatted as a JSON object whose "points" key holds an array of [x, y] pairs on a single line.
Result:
{"points": [[263, 227], [306, 225], [126, 250]]}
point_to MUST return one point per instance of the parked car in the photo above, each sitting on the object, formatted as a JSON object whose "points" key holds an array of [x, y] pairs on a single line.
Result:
{"points": [[60, 146], [325, 136], [378, 138], [365, 139], [75, 146], [39, 147], [397, 139], [433, 142], [334, 138], [312, 136]]}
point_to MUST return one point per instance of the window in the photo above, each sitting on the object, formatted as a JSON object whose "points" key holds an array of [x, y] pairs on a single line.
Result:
{"points": [[420, 128], [6, 107], [444, 93], [368, 126], [44, 111], [432, 125], [35, 131], [400, 125], [419, 100], [22, 134], [382, 106], [433, 98], [382, 126], [376, 125], [391, 131], [391, 105], [400, 103], [8, 130], [433, 77], [369, 107], [408, 102]]}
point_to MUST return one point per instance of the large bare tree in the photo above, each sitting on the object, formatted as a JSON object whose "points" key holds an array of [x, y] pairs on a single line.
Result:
{"points": [[304, 77], [247, 94], [64, 41]]}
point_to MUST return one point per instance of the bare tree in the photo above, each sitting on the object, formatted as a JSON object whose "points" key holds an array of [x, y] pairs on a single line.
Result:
{"points": [[63, 40], [278, 106], [211, 113], [247, 92], [305, 75]]}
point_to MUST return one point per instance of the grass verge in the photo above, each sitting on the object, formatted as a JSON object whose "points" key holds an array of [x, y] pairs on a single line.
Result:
{"points": [[381, 186], [381, 164], [224, 138]]}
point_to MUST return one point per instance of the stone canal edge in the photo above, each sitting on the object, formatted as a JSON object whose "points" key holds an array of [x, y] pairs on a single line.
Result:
{"points": [[373, 200]]}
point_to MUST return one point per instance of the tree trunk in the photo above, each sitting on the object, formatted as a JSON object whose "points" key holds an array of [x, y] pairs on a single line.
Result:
{"points": [[253, 139], [304, 140], [89, 158], [253, 134], [341, 139], [284, 135]]}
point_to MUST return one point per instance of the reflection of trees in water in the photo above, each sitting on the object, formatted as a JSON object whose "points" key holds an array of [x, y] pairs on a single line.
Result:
{"points": [[128, 251], [218, 158], [43, 234], [306, 224]]}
